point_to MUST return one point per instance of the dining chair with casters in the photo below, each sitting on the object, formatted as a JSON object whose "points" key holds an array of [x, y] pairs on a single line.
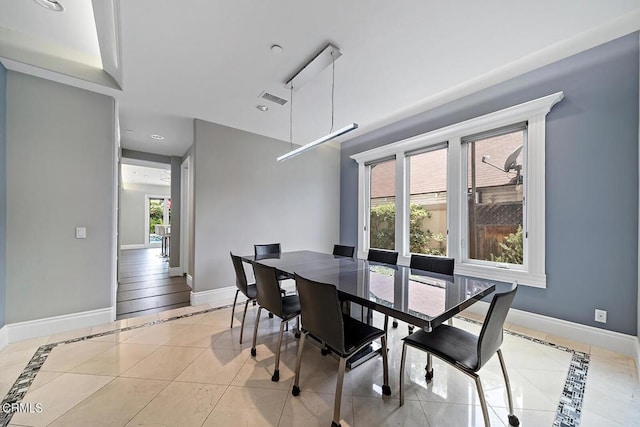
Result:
{"points": [[466, 351], [247, 289], [323, 319], [346, 251], [266, 250], [270, 298], [385, 257], [433, 264]]}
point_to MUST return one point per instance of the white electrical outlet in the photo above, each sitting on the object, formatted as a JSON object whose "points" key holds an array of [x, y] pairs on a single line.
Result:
{"points": [[601, 316], [81, 232]]}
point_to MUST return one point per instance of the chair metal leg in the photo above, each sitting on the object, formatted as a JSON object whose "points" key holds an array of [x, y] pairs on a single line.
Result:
{"points": [[386, 323], [429, 375], [255, 333], [338, 401], [386, 390], [244, 315], [513, 420], [276, 372], [233, 307], [296, 381], [483, 402], [402, 360]]}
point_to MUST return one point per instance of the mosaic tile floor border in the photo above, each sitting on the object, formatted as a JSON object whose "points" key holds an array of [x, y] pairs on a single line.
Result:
{"points": [[568, 413], [569, 410]]}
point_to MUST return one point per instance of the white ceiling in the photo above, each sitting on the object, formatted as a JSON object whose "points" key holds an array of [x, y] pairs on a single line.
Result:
{"points": [[211, 59], [149, 175]]}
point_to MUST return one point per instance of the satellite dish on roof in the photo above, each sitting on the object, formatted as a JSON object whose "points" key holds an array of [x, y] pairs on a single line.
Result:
{"points": [[510, 163]]}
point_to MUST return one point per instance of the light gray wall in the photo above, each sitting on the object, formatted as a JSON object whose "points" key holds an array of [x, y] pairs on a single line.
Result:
{"points": [[174, 242], [591, 179], [132, 210], [3, 189], [60, 156], [243, 196]]}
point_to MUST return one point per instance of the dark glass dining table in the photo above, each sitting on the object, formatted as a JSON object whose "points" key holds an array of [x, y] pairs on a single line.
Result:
{"points": [[417, 297]]}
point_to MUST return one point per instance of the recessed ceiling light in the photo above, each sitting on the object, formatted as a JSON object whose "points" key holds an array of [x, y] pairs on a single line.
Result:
{"points": [[262, 107], [51, 5], [157, 137], [276, 48]]}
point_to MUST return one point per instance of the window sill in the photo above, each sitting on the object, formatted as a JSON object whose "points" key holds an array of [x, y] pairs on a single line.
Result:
{"points": [[502, 274]]}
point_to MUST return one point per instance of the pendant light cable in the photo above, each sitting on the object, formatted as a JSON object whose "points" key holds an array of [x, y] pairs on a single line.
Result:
{"points": [[333, 85], [291, 117]]}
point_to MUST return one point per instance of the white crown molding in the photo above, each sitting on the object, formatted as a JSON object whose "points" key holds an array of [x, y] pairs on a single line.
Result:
{"points": [[610, 340], [20, 331], [104, 83], [589, 39]]}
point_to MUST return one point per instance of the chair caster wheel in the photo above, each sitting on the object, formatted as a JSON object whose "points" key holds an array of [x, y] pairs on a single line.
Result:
{"points": [[513, 420], [253, 352], [428, 376], [324, 351], [270, 315], [276, 376], [297, 335], [254, 303], [386, 390], [411, 329], [394, 324], [335, 424], [296, 390]]}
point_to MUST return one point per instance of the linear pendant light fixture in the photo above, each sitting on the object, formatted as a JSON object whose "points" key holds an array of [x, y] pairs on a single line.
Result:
{"points": [[321, 61]]}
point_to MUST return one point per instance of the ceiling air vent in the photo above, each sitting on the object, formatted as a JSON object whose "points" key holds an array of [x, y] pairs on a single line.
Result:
{"points": [[270, 97]]}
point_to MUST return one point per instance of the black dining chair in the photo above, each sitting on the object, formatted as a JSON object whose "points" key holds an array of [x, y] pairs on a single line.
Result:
{"points": [[270, 298], [434, 264], [386, 257], [323, 319], [466, 351], [248, 290], [346, 251], [266, 250]]}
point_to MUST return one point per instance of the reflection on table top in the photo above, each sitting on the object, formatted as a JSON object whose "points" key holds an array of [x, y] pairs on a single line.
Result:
{"points": [[418, 297]]}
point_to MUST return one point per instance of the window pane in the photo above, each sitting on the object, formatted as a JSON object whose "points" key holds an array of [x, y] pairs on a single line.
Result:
{"points": [[428, 202], [495, 189], [382, 214]]}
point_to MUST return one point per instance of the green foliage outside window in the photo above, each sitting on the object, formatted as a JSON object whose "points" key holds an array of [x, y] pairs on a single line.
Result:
{"points": [[512, 249], [421, 241], [155, 215]]}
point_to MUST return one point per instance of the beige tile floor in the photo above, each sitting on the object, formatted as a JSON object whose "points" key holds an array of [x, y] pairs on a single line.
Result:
{"points": [[193, 372]]}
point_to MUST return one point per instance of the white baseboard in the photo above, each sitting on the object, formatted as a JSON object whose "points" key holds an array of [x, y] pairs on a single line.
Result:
{"points": [[216, 297], [190, 280], [137, 246], [610, 340], [175, 272], [4, 340], [638, 356], [54, 325]]}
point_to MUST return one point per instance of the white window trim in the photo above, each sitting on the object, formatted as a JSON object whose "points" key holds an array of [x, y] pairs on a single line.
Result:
{"points": [[534, 112]]}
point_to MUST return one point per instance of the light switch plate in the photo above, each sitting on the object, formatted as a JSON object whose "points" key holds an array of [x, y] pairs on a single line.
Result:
{"points": [[81, 232]]}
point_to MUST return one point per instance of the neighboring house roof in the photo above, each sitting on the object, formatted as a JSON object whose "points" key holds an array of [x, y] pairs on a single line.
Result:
{"points": [[428, 171]]}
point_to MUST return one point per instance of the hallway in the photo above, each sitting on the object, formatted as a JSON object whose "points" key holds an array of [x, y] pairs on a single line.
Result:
{"points": [[145, 286]]}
